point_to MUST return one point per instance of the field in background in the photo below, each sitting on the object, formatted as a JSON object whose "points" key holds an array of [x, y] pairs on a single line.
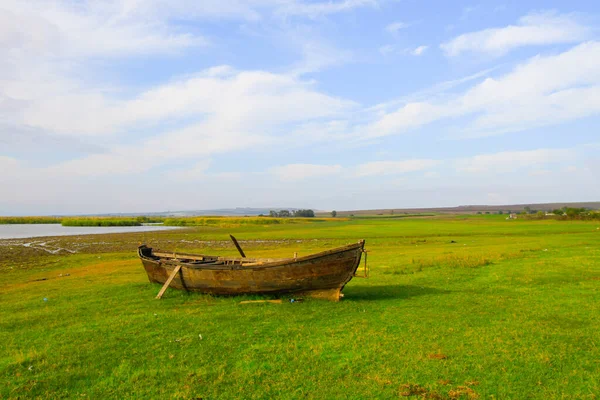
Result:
{"points": [[471, 209], [240, 221], [456, 307], [167, 221]]}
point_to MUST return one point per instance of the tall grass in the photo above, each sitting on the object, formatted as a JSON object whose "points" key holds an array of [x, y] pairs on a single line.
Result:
{"points": [[100, 222], [82, 221], [29, 220]]}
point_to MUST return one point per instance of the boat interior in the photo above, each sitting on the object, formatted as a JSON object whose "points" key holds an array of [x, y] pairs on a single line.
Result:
{"points": [[192, 260]]}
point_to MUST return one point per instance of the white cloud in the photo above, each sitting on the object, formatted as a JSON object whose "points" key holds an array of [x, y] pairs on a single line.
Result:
{"points": [[295, 172], [317, 55], [41, 67], [240, 110], [389, 49], [221, 97], [419, 50], [88, 29], [408, 117], [531, 30], [394, 27], [514, 160], [436, 90], [322, 9], [394, 167], [215, 111], [542, 91]]}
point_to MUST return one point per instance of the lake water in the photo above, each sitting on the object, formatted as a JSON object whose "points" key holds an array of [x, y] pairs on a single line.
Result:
{"points": [[20, 231]]}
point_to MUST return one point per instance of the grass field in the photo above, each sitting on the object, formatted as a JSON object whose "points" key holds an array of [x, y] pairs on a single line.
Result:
{"points": [[456, 307]]}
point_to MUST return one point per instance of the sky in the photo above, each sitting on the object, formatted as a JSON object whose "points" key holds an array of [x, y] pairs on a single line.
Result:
{"points": [[113, 106]]}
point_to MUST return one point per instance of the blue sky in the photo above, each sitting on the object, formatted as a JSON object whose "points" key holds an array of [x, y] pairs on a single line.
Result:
{"points": [[133, 106]]}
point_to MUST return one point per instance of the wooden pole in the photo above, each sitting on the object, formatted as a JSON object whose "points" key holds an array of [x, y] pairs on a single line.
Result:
{"points": [[238, 246], [168, 282], [277, 301]]}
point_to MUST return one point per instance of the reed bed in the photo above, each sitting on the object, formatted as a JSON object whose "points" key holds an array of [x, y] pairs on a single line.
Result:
{"points": [[82, 221], [29, 220], [99, 222]]}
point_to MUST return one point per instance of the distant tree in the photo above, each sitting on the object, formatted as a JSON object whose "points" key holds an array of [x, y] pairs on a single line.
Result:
{"points": [[392, 212], [333, 213], [500, 212], [527, 209], [273, 214], [261, 215], [487, 212], [304, 213], [574, 212], [540, 214], [478, 212], [284, 213]]}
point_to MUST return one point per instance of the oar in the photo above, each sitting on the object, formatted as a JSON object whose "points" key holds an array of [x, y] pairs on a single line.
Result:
{"points": [[238, 246]]}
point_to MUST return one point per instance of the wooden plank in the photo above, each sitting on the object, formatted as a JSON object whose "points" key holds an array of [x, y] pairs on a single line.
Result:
{"points": [[185, 256], [238, 246], [278, 301], [168, 282]]}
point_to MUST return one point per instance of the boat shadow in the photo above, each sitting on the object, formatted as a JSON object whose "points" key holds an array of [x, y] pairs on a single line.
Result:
{"points": [[384, 292]]}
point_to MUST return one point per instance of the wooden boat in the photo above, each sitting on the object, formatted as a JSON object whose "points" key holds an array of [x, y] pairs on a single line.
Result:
{"points": [[321, 275]]}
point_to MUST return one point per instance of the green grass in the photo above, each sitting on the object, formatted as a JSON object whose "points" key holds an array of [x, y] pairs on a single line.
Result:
{"points": [[109, 221], [82, 221], [100, 222], [29, 220], [456, 307]]}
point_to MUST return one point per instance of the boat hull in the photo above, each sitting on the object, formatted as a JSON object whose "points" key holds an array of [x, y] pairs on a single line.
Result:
{"points": [[321, 275]]}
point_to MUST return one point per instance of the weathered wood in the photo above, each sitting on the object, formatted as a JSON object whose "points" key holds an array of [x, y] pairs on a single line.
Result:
{"points": [[325, 294], [321, 275], [184, 256], [168, 282], [238, 246], [277, 301]]}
